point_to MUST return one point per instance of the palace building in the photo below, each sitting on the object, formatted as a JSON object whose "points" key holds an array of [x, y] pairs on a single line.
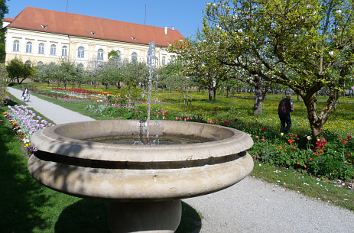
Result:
{"points": [[38, 36]]}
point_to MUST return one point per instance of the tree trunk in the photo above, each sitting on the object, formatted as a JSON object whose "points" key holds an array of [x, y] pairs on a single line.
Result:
{"points": [[214, 93], [228, 92], [210, 94], [260, 92], [318, 120]]}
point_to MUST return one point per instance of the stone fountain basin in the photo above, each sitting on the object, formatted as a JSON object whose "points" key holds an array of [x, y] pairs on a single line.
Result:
{"points": [[65, 161]]}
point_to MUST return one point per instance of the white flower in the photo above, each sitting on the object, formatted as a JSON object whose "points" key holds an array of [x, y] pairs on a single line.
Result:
{"points": [[282, 134], [308, 138], [331, 53], [339, 12], [240, 30]]}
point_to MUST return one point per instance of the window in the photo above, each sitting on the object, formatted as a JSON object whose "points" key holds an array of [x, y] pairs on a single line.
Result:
{"points": [[16, 46], [100, 55], [134, 57], [172, 58], [41, 48], [39, 63], [29, 47], [53, 50], [119, 56], [64, 51], [81, 52], [163, 60]]}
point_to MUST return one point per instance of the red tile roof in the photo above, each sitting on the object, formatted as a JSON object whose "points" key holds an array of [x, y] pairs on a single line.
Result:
{"points": [[8, 20], [92, 27]]}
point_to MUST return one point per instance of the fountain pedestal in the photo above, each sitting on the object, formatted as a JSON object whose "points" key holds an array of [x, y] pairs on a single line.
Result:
{"points": [[144, 183], [152, 217]]}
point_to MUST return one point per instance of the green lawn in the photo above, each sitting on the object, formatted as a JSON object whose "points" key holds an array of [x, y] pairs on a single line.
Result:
{"points": [[238, 109]]}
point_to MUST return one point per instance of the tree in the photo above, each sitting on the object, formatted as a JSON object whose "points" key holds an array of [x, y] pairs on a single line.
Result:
{"points": [[135, 74], [171, 76], [3, 11], [48, 73], [3, 83], [111, 73], [112, 54], [70, 73], [18, 71], [200, 61], [306, 45]]}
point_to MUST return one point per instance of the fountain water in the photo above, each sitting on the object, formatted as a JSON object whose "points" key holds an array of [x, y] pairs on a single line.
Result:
{"points": [[145, 181]]}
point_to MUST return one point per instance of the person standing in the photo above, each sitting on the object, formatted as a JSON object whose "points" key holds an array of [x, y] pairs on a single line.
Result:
{"points": [[25, 95], [286, 106]]}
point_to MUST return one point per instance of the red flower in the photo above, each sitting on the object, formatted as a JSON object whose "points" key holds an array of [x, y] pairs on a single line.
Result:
{"points": [[320, 143], [290, 141], [264, 129], [344, 141]]}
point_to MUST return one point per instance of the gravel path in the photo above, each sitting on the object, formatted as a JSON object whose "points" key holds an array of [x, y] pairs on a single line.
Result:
{"points": [[251, 206], [55, 113]]}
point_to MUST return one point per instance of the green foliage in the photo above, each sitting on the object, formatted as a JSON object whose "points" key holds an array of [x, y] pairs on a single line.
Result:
{"points": [[3, 83], [305, 45], [111, 73], [64, 73], [48, 73], [3, 11], [200, 61], [112, 54], [135, 74], [333, 159], [172, 77], [18, 71]]}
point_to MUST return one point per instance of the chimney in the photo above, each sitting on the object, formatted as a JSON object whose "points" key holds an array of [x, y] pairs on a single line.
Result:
{"points": [[166, 29]]}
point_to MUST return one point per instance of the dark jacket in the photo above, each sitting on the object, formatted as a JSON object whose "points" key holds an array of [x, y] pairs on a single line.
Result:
{"points": [[285, 106]]}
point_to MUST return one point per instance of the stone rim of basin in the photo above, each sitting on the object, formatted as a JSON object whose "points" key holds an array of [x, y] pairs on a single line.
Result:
{"points": [[140, 172], [53, 140]]}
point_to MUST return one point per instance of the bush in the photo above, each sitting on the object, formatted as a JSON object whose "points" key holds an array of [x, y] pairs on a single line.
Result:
{"points": [[332, 159], [3, 84]]}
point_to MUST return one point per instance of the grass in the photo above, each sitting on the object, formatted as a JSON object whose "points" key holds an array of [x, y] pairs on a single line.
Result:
{"points": [[238, 108], [303, 183]]}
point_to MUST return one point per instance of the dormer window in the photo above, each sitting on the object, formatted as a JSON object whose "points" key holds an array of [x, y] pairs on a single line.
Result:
{"points": [[44, 26], [92, 33]]}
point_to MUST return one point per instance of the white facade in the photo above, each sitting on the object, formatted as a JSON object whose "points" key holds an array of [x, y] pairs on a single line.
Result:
{"points": [[26, 45]]}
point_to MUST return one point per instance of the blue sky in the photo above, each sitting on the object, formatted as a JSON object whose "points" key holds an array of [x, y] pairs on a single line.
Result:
{"points": [[184, 15]]}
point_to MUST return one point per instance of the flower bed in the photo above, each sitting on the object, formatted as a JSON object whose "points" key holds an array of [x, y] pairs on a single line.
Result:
{"points": [[328, 156], [25, 122], [82, 93]]}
